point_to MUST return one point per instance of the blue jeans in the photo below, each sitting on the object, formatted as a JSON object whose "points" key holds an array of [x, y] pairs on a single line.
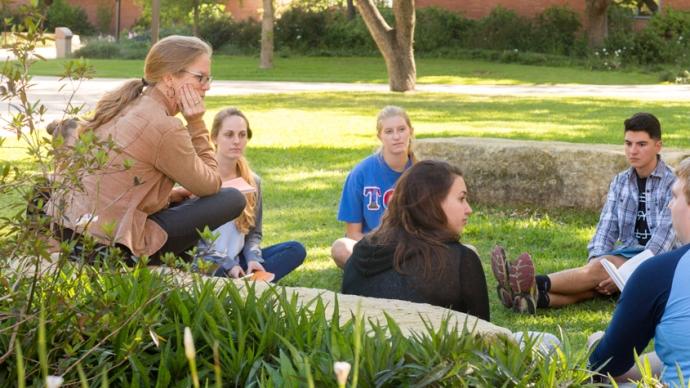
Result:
{"points": [[280, 259]]}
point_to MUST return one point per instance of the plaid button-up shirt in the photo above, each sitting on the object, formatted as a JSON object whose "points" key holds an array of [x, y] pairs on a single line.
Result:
{"points": [[617, 220]]}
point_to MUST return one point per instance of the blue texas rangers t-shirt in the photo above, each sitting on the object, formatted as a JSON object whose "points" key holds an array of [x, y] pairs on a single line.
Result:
{"points": [[367, 191]]}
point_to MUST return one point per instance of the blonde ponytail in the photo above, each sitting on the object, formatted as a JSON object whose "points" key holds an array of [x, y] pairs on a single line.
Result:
{"points": [[112, 103]]}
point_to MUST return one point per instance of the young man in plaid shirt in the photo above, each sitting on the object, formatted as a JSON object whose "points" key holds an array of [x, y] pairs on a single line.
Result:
{"points": [[635, 217]]}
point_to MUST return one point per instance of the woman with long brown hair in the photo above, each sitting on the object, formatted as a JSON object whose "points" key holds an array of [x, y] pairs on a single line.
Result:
{"points": [[238, 242], [130, 200], [414, 254]]}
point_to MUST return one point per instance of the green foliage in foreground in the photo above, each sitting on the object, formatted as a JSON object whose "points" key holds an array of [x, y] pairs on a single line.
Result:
{"points": [[126, 328], [372, 70]]}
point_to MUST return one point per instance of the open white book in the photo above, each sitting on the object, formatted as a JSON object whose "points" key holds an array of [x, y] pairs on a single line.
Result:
{"points": [[621, 275]]}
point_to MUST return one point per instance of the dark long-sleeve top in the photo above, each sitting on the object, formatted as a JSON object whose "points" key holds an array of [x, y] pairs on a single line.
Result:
{"points": [[655, 303], [460, 283]]}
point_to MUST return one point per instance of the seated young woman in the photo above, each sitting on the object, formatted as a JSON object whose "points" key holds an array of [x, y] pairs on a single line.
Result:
{"points": [[239, 240], [414, 255], [370, 185]]}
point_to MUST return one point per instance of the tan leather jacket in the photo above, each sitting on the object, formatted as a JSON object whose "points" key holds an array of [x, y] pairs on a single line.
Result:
{"points": [[163, 151]]}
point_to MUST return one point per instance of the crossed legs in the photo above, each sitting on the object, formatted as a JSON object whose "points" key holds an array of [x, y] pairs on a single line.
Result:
{"points": [[578, 284]]}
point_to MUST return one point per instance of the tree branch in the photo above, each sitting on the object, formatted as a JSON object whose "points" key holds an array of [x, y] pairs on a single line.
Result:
{"points": [[377, 25]]}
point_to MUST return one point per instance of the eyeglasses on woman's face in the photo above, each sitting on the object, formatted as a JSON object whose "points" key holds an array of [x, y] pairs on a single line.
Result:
{"points": [[202, 78]]}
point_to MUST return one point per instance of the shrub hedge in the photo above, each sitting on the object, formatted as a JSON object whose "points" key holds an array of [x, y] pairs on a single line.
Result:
{"points": [[548, 38]]}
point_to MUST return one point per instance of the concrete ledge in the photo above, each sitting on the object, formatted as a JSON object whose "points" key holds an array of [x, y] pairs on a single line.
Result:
{"points": [[544, 173]]}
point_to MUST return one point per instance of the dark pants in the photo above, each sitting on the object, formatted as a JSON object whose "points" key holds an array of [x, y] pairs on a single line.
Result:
{"points": [[184, 221], [280, 259]]}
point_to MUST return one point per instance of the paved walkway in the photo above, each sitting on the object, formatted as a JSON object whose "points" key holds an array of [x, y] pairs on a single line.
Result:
{"points": [[48, 90]]}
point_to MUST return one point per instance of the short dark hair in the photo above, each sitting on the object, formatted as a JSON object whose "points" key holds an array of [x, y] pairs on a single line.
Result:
{"points": [[645, 122]]}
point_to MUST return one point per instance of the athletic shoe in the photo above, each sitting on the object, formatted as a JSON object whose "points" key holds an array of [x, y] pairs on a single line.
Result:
{"points": [[523, 284], [501, 270]]}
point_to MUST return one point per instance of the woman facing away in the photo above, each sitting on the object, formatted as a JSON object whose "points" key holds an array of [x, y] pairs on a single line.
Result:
{"points": [[239, 240], [414, 255], [131, 201], [370, 185]]}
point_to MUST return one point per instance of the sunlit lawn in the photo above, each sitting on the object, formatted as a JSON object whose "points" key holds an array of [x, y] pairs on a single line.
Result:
{"points": [[373, 70], [304, 145]]}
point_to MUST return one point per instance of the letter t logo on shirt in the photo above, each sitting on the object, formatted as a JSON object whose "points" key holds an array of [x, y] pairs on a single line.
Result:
{"points": [[373, 193]]}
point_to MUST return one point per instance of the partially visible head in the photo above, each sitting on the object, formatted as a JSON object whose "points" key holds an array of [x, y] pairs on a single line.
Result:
{"points": [[394, 129], [230, 132], [179, 59], [680, 204], [430, 198], [642, 141]]}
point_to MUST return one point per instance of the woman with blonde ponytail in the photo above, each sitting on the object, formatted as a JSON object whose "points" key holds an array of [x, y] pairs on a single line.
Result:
{"points": [[370, 185], [131, 201], [239, 240]]}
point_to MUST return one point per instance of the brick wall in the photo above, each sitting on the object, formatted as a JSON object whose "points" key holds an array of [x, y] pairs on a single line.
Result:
{"points": [[129, 11]]}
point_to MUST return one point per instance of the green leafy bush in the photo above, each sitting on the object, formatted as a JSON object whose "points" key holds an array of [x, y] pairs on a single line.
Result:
{"points": [[300, 29], [501, 30], [127, 327], [61, 14], [437, 28], [104, 49], [555, 31], [348, 37]]}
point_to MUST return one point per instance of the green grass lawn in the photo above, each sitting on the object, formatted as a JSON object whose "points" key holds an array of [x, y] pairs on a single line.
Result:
{"points": [[373, 70], [305, 144]]}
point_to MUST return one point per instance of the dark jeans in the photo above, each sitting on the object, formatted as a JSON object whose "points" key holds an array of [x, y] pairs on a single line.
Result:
{"points": [[280, 259], [184, 221]]}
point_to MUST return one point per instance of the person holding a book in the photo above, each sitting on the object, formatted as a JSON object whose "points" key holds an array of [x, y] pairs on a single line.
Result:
{"points": [[369, 186], [414, 255], [238, 241], [655, 303], [635, 217], [128, 198]]}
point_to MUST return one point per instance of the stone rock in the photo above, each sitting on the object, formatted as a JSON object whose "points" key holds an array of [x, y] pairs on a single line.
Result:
{"points": [[544, 173]]}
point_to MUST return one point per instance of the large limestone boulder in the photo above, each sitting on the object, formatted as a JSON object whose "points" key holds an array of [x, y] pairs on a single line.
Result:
{"points": [[543, 173]]}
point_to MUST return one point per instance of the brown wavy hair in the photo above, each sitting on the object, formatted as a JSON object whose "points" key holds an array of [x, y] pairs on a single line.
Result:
{"points": [[247, 219], [415, 221], [170, 55]]}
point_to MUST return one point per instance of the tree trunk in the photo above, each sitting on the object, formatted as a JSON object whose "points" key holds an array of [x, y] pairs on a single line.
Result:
{"points": [[195, 24], [267, 35], [597, 21], [396, 44], [155, 20], [350, 9]]}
